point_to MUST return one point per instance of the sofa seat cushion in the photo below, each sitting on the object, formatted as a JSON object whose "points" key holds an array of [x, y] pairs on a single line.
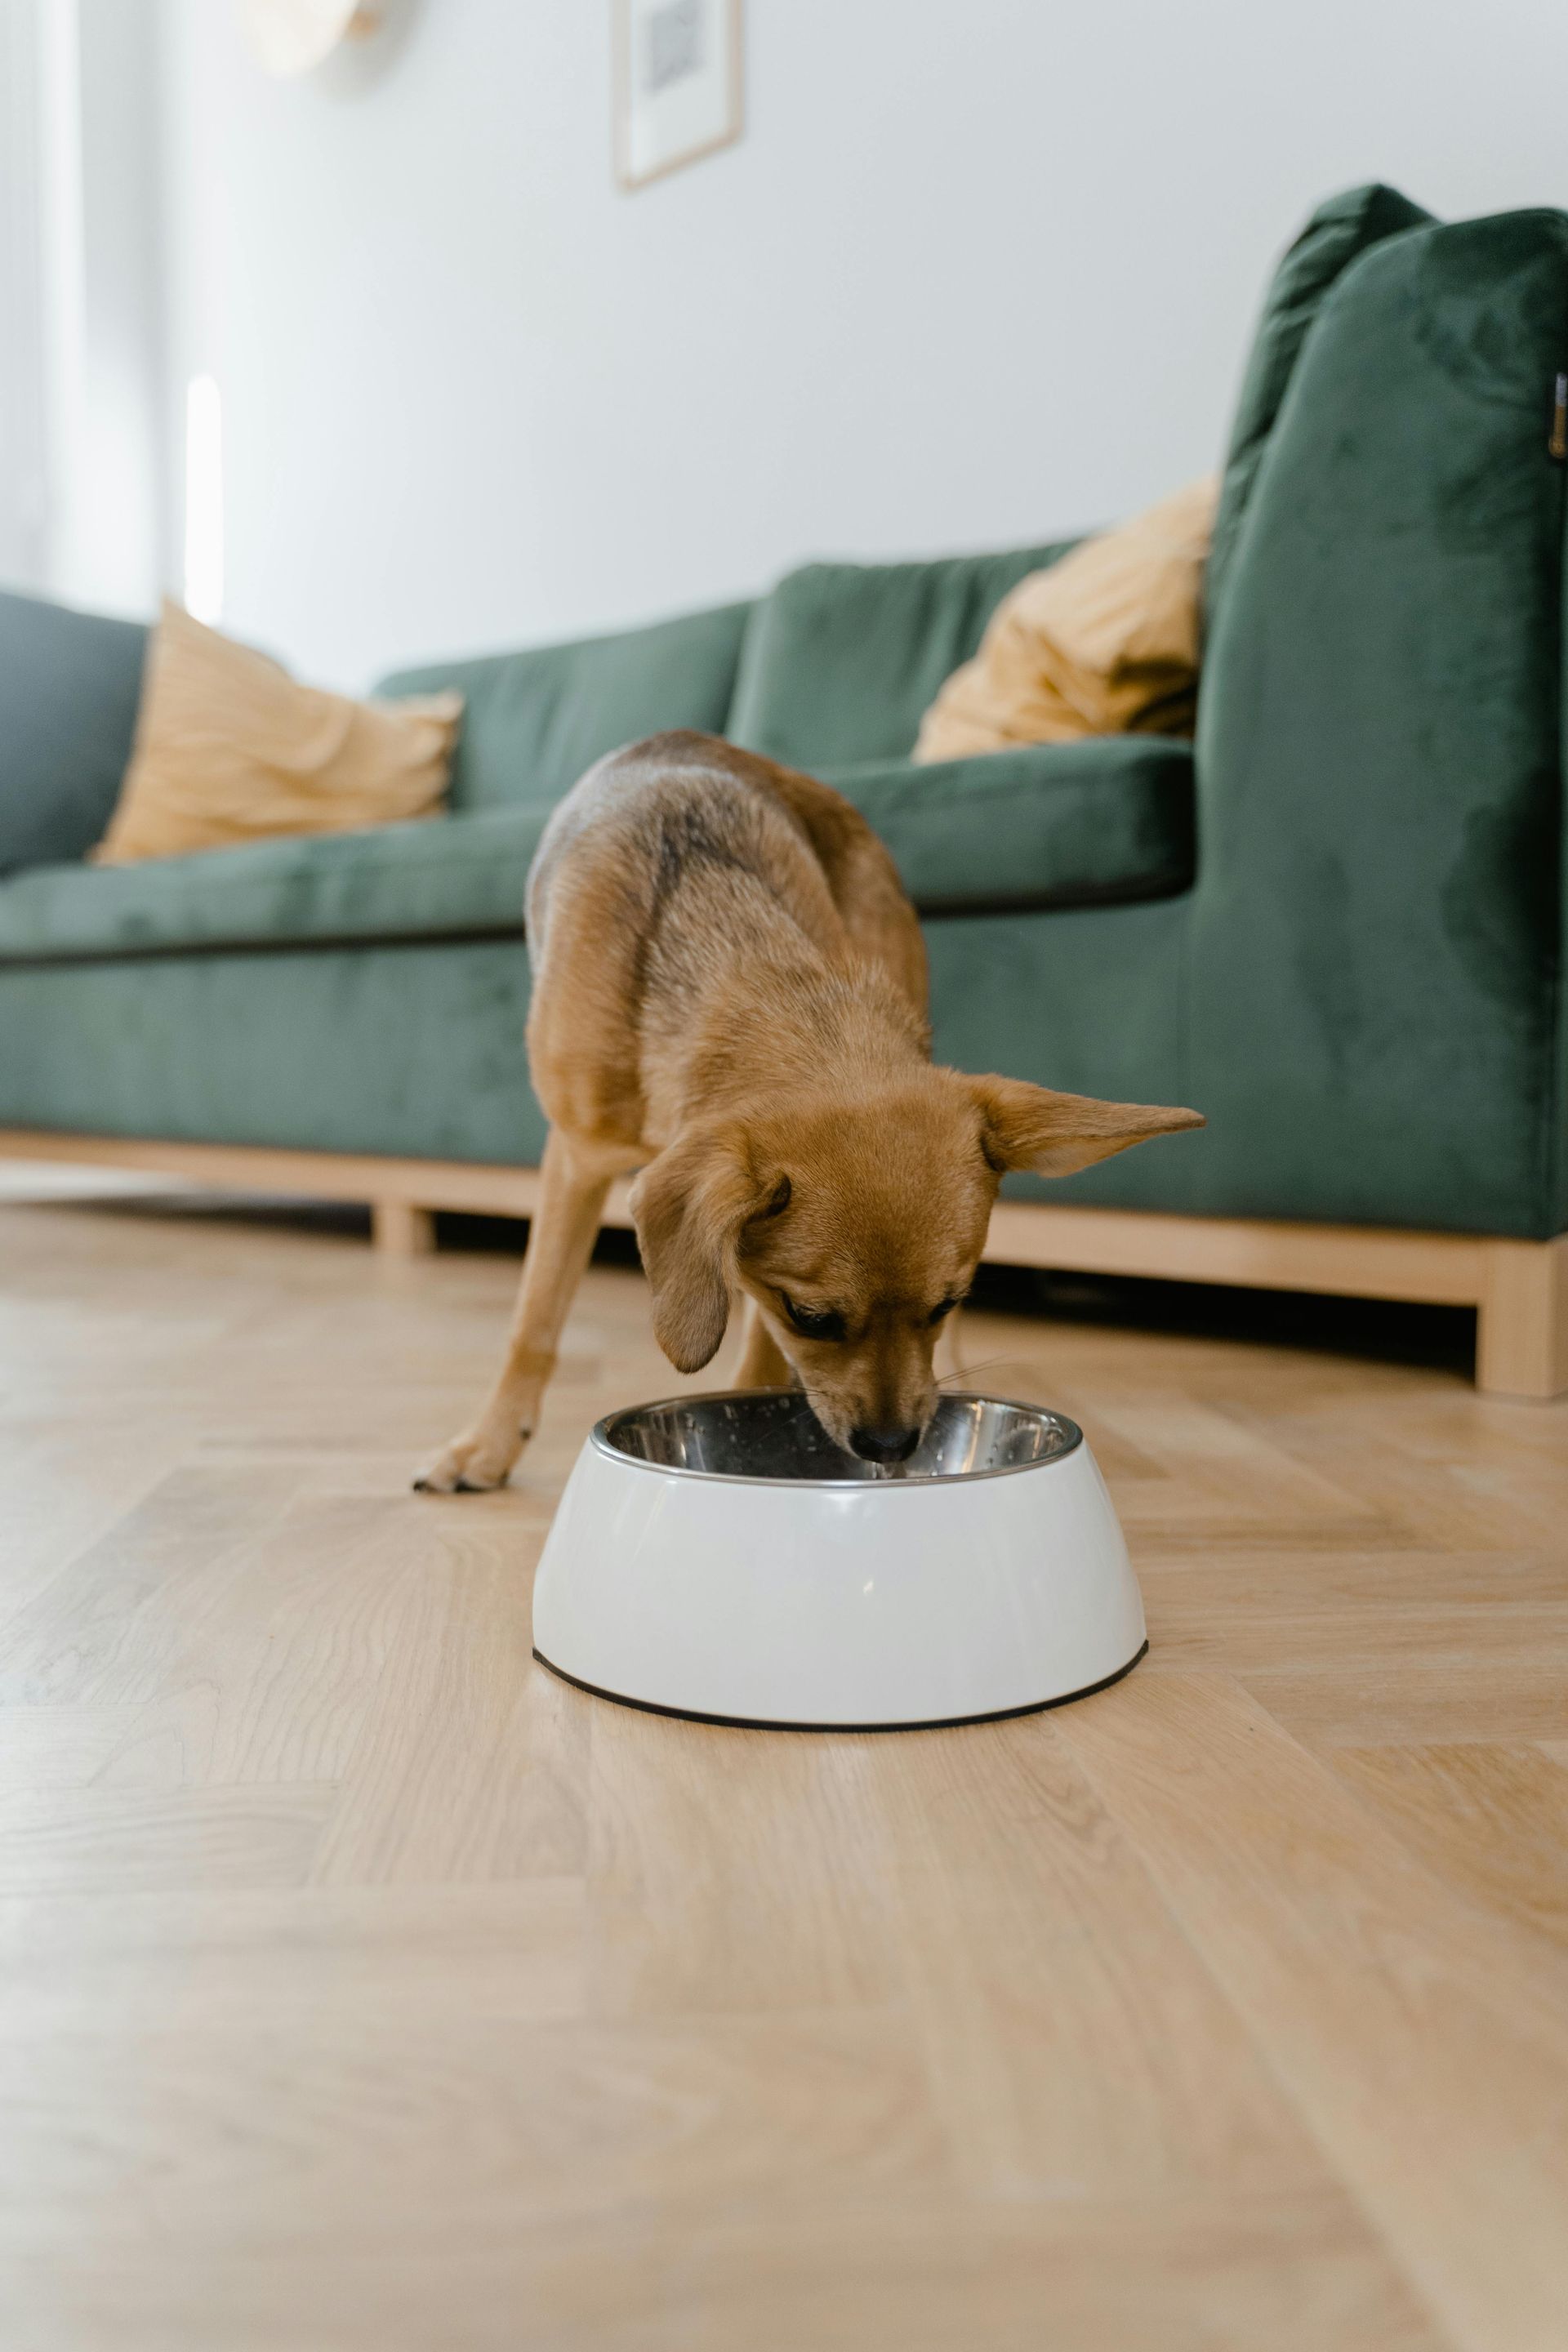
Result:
{"points": [[439, 878], [533, 721], [842, 661], [1046, 825], [1050, 824]]}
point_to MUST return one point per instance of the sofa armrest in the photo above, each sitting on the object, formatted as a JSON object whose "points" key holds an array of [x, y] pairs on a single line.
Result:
{"points": [[70, 686], [1374, 1025]]}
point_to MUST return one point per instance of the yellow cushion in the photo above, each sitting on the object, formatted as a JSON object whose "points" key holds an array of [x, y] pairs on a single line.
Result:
{"points": [[1103, 643], [228, 748]]}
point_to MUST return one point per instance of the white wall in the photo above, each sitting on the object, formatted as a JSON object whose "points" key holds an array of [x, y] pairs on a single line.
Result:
{"points": [[23, 506], [82, 503], [980, 270]]}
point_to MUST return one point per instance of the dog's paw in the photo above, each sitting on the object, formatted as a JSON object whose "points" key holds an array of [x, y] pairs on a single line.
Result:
{"points": [[471, 1466]]}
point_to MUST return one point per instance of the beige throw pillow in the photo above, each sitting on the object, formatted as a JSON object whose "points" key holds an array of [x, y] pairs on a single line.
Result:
{"points": [[1103, 643], [228, 748]]}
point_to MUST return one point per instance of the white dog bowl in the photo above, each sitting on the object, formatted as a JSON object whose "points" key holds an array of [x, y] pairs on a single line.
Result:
{"points": [[719, 1556]]}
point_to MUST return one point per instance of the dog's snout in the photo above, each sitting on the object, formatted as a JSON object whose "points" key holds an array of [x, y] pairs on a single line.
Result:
{"points": [[883, 1444]]}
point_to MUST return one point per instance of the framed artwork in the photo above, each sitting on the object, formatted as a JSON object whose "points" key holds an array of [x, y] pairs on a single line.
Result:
{"points": [[677, 84]]}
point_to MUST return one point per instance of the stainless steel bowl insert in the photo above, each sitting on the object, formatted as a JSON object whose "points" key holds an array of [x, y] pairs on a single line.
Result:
{"points": [[769, 1436]]}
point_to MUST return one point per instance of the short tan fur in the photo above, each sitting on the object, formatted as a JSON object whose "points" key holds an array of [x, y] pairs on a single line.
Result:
{"points": [[729, 994]]}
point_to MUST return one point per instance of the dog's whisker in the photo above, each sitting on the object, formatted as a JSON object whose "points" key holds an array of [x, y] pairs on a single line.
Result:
{"points": [[969, 1372]]}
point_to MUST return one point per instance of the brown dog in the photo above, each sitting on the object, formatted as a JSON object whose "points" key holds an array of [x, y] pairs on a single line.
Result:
{"points": [[730, 986]]}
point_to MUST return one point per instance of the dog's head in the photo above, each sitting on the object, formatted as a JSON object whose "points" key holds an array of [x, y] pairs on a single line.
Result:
{"points": [[857, 1228]]}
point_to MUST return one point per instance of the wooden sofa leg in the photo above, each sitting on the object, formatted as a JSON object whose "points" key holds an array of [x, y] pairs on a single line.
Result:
{"points": [[400, 1230], [1521, 1340]]}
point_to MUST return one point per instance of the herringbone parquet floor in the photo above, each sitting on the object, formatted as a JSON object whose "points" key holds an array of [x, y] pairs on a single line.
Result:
{"points": [[364, 1989]]}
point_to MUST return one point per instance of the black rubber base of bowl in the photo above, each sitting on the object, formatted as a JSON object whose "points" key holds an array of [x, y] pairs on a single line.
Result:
{"points": [[759, 1723]]}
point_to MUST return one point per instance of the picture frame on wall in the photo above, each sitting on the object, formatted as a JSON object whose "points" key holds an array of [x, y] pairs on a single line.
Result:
{"points": [[676, 84]]}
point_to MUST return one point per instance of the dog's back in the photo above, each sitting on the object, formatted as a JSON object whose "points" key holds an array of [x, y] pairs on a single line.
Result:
{"points": [[660, 843]]}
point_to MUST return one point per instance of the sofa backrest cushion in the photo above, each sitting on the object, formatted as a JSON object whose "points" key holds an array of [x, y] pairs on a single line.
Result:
{"points": [[533, 721], [1341, 229], [842, 660], [70, 687]]}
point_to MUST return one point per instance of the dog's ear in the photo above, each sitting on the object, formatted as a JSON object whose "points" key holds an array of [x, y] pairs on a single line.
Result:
{"points": [[689, 1207], [1033, 1127]]}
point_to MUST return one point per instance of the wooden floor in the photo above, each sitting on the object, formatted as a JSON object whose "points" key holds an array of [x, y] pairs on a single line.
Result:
{"points": [[364, 1989]]}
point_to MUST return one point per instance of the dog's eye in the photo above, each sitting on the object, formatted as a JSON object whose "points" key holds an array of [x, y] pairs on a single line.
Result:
{"points": [[823, 1326], [938, 1312]]}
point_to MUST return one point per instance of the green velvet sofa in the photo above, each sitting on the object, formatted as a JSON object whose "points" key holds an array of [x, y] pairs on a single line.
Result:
{"points": [[1332, 923]]}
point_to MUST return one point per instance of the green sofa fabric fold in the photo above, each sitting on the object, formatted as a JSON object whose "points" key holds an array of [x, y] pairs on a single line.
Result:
{"points": [[842, 660], [533, 721], [443, 877], [70, 687], [1048, 824]]}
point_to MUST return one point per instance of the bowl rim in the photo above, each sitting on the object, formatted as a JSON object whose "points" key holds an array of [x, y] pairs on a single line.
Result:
{"points": [[600, 1440]]}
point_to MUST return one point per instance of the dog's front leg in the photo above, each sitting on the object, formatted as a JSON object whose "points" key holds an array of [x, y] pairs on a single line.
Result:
{"points": [[560, 1242]]}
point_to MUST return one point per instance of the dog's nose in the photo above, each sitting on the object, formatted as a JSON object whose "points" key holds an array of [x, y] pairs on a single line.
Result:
{"points": [[883, 1444]]}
